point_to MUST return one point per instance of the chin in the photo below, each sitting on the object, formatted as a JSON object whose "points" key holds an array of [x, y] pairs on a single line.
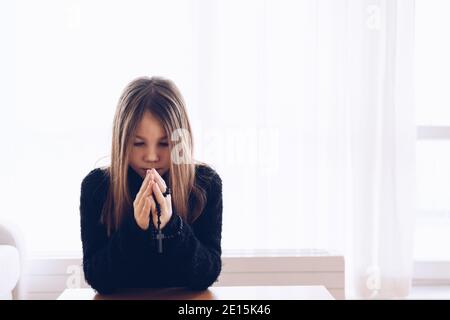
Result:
{"points": [[142, 171]]}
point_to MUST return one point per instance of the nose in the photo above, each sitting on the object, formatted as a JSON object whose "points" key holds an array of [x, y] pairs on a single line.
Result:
{"points": [[151, 155]]}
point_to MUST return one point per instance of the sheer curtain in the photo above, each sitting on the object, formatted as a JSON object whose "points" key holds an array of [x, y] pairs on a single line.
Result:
{"points": [[312, 124], [303, 107]]}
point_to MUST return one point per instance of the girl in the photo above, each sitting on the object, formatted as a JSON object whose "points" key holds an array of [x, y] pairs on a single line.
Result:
{"points": [[126, 244]]}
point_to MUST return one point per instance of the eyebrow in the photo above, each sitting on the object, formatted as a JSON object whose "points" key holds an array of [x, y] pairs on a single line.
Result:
{"points": [[138, 136]]}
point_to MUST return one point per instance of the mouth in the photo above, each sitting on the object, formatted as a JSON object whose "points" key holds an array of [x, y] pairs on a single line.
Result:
{"points": [[145, 169]]}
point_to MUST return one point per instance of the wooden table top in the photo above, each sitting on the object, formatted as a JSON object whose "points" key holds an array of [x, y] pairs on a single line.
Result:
{"points": [[213, 293]]}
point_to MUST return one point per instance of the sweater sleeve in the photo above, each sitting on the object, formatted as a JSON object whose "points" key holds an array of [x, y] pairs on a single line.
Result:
{"points": [[107, 260], [197, 250]]}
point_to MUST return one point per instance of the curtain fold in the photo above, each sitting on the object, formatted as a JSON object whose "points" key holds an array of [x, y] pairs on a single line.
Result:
{"points": [[317, 124]]}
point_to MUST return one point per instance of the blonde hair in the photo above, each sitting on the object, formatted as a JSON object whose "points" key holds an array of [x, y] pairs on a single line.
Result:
{"points": [[163, 100]]}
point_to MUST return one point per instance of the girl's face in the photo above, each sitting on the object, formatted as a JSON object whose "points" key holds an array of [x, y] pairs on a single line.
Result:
{"points": [[150, 147]]}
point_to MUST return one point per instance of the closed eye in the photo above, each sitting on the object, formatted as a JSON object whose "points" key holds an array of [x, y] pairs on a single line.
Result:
{"points": [[163, 144]]}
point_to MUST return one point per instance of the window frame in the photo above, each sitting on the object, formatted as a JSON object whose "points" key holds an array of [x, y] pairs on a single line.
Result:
{"points": [[431, 272]]}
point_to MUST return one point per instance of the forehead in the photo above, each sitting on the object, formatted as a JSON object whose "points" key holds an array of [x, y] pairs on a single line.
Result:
{"points": [[149, 127]]}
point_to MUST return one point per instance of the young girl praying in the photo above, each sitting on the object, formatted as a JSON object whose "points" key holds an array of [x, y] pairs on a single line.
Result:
{"points": [[153, 217]]}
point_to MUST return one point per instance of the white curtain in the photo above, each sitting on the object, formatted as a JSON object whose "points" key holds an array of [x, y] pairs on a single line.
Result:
{"points": [[303, 106], [309, 117]]}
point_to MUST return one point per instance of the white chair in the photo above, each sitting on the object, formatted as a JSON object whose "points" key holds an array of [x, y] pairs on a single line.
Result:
{"points": [[11, 261]]}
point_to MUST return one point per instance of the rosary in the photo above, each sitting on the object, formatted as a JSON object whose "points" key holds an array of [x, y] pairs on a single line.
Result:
{"points": [[160, 235]]}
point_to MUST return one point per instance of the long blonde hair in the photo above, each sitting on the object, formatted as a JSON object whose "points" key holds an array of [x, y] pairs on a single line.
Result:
{"points": [[163, 100]]}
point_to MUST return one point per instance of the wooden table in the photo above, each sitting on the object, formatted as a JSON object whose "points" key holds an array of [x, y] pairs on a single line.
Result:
{"points": [[213, 293]]}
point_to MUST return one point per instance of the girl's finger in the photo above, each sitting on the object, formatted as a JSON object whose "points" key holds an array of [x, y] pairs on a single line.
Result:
{"points": [[143, 186], [153, 205], [159, 180], [159, 197], [142, 197], [153, 213], [145, 209]]}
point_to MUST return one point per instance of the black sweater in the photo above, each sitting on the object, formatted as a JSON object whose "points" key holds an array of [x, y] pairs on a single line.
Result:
{"points": [[128, 258]]}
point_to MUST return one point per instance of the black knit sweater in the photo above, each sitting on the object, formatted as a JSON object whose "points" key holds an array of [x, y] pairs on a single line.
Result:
{"points": [[128, 257]]}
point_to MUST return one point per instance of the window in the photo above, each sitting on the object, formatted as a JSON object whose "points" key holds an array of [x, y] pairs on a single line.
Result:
{"points": [[432, 70]]}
